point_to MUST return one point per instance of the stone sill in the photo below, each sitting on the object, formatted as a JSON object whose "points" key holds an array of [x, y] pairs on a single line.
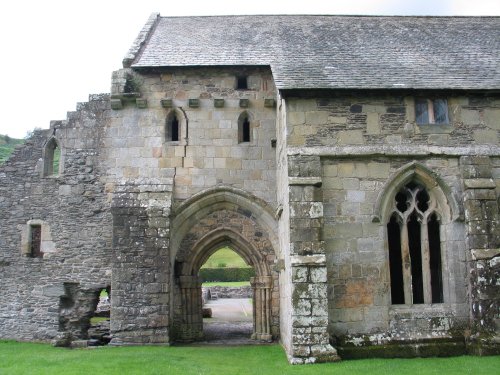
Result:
{"points": [[435, 128], [479, 183]]}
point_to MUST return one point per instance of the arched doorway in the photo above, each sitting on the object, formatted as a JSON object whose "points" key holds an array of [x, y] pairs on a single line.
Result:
{"points": [[229, 219]]}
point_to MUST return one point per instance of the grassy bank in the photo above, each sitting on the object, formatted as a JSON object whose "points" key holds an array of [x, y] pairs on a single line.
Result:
{"points": [[26, 358], [225, 257], [7, 146]]}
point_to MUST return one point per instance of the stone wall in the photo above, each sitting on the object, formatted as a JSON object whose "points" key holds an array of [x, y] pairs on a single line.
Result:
{"points": [[140, 295], [72, 210], [383, 119], [368, 146], [208, 152], [228, 292]]}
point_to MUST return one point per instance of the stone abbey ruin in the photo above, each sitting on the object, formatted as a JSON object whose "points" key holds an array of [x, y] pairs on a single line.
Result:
{"points": [[353, 162]]}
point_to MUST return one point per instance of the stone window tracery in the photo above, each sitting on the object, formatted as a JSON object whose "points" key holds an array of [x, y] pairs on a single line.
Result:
{"points": [[415, 247]]}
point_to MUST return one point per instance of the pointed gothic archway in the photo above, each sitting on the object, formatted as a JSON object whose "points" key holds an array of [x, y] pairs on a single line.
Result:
{"points": [[223, 217]]}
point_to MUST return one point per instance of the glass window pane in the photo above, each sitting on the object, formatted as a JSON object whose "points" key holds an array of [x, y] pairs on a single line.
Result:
{"points": [[441, 111], [421, 113]]}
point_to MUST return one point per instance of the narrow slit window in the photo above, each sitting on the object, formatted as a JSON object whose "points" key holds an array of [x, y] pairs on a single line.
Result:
{"points": [[36, 241], [243, 129], [172, 128], [52, 158]]}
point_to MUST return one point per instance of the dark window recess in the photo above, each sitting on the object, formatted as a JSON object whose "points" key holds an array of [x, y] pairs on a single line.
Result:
{"points": [[175, 129], [431, 111], [417, 285], [246, 131], [242, 83], [172, 128], [36, 241], [395, 262], [435, 260]]}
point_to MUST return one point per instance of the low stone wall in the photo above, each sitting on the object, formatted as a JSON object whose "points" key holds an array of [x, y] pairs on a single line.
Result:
{"points": [[228, 292]]}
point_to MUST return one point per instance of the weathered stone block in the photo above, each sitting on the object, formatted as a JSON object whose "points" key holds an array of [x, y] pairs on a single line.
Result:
{"points": [[141, 103], [218, 103], [194, 103], [300, 274], [351, 137], [116, 104], [318, 274]]}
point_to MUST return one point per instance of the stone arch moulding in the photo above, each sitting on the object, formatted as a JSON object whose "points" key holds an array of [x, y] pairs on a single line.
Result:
{"points": [[424, 175], [218, 198], [218, 238], [187, 284]]}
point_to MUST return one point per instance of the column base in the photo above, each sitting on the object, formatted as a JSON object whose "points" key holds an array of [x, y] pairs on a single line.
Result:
{"points": [[262, 337]]}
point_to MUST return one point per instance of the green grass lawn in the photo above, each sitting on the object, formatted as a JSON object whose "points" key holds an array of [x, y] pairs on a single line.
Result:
{"points": [[227, 283], [28, 358], [226, 257]]}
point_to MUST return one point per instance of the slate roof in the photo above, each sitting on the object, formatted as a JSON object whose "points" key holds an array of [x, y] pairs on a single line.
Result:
{"points": [[339, 52]]}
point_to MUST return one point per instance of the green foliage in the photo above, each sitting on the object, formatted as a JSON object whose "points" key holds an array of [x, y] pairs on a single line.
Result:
{"points": [[27, 358], [7, 146], [226, 274], [97, 319], [56, 160], [225, 256]]}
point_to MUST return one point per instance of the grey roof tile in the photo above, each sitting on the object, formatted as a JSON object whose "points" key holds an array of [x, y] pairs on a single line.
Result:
{"points": [[335, 51]]}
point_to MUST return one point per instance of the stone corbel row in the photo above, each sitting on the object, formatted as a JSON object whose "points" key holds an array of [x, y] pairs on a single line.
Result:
{"points": [[118, 101]]}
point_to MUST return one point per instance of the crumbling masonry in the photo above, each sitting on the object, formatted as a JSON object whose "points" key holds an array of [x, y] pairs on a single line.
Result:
{"points": [[353, 162]]}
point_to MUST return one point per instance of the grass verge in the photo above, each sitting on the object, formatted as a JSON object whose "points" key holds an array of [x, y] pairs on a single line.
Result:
{"points": [[226, 283], [29, 358]]}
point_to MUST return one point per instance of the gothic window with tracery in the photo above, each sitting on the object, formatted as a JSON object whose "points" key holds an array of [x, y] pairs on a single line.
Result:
{"points": [[415, 247]]}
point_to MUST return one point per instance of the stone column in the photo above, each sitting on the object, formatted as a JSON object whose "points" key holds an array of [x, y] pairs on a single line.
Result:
{"points": [[261, 286], [192, 320], [483, 241], [310, 338]]}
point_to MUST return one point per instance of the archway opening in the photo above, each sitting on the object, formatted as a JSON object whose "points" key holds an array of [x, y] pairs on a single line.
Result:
{"points": [[227, 296], [190, 296]]}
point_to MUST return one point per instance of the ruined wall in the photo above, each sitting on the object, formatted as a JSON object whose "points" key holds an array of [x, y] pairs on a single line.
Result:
{"points": [[370, 145], [38, 294]]}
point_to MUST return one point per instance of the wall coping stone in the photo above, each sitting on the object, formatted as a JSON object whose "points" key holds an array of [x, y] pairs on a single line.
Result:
{"points": [[396, 150]]}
